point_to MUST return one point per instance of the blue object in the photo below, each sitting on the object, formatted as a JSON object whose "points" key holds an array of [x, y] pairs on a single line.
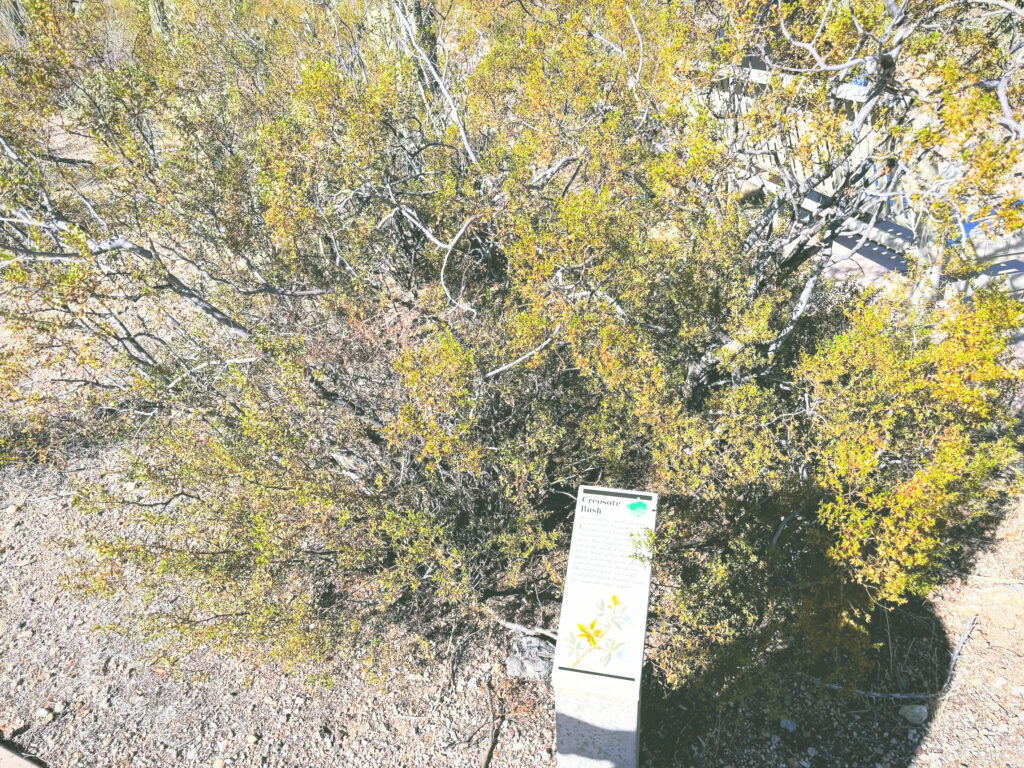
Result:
{"points": [[975, 220]]}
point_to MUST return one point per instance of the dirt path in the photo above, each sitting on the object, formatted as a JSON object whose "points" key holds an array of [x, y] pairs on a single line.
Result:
{"points": [[980, 723]]}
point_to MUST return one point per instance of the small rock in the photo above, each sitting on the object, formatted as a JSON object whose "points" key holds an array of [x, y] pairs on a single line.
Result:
{"points": [[788, 725], [531, 658], [253, 738], [219, 763], [811, 752], [44, 714], [17, 501], [12, 729], [914, 713]]}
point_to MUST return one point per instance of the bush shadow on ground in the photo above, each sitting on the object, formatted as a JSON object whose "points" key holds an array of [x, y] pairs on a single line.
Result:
{"points": [[783, 715], [788, 717]]}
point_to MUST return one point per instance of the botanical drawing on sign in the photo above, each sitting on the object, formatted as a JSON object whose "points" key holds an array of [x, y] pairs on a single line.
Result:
{"points": [[594, 637]]}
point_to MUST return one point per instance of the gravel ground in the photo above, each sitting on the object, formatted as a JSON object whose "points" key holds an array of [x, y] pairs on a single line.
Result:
{"points": [[980, 723], [74, 696], [71, 695]]}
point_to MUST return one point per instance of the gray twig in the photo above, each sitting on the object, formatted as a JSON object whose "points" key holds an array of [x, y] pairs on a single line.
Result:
{"points": [[911, 696], [522, 358]]}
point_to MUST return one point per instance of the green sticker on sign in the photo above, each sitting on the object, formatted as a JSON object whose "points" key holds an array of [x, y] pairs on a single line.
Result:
{"points": [[639, 508]]}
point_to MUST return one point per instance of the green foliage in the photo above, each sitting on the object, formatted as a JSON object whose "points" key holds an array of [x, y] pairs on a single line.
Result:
{"points": [[907, 453], [235, 509], [438, 413], [364, 292]]}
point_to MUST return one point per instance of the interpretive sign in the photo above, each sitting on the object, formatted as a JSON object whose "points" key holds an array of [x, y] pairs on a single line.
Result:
{"points": [[600, 648]]}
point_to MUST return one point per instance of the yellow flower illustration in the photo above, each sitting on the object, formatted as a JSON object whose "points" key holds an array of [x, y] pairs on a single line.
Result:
{"points": [[611, 614], [591, 634]]}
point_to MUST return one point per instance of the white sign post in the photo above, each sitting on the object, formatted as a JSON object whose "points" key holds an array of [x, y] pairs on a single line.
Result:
{"points": [[600, 648]]}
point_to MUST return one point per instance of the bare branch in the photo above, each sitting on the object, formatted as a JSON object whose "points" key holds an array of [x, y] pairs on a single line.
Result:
{"points": [[406, 26], [523, 358]]}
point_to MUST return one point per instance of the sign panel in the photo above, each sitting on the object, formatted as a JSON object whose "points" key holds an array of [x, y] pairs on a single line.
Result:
{"points": [[607, 585]]}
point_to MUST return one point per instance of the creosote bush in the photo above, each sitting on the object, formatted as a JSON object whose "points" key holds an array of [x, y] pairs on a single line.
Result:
{"points": [[360, 293]]}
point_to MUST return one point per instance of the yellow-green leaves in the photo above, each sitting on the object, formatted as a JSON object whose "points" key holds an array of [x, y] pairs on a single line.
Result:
{"points": [[373, 295], [440, 378], [907, 433]]}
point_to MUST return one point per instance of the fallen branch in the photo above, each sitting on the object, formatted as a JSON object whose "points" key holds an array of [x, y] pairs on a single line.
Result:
{"points": [[513, 627], [496, 723], [909, 696], [872, 694], [959, 647]]}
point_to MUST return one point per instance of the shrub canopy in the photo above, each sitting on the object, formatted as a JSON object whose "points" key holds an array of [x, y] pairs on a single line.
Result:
{"points": [[366, 290]]}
